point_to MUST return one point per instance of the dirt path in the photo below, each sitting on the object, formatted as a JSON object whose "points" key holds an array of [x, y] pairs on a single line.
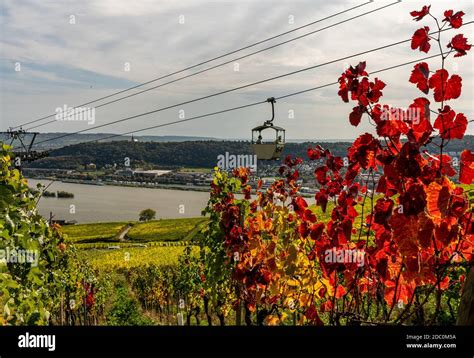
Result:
{"points": [[123, 233]]}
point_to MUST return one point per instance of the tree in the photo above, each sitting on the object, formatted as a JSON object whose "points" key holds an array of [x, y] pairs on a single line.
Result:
{"points": [[147, 214]]}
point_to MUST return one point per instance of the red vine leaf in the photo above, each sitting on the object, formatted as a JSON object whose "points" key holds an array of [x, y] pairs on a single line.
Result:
{"points": [[322, 199], [420, 75], [404, 291], [466, 173], [321, 174], [299, 205], [459, 43], [450, 124], [356, 115], [383, 210], [421, 129], [455, 20], [405, 233], [425, 230], [445, 87], [421, 39], [363, 151], [317, 231], [312, 315], [418, 15], [314, 153]]}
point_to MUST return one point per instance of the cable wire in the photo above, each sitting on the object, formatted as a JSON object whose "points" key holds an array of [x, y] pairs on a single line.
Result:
{"points": [[204, 62], [227, 62], [252, 104]]}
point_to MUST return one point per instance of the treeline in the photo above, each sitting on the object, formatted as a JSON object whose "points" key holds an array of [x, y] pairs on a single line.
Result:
{"points": [[166, 154], [185, 154]]}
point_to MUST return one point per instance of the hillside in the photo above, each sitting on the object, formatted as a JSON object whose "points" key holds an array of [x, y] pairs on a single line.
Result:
{"points": [[195, 154]]}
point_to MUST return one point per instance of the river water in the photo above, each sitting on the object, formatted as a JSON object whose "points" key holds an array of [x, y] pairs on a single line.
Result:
{"points": [[94, 203]]}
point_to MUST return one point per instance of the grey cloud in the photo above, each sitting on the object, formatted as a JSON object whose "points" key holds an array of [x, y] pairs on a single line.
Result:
{"points": [[147, 34]]}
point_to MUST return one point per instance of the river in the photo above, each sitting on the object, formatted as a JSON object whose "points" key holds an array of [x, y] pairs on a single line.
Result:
{"points": [[95, 203]]}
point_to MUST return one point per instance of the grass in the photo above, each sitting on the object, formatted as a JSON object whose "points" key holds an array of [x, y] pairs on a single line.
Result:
{"points": [[469, 190], [166, 230], [125, 309], [107, 260], [467, 187], [156, 230], [84, 233]]}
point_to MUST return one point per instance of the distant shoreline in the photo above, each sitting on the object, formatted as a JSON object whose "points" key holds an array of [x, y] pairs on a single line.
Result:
{"points": [[158, 186], [147, 186]]}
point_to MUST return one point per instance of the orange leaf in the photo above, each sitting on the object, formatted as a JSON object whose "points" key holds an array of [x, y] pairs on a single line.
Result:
{"points": [[466, 173], [438, 197], [405, 233]]}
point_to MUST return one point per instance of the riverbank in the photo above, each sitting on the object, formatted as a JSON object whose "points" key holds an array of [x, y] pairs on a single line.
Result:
{"points": [[142, 185], [127, 184]]}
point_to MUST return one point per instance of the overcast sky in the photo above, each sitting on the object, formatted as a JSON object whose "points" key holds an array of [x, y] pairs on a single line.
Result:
{"points": [[63, 62]]}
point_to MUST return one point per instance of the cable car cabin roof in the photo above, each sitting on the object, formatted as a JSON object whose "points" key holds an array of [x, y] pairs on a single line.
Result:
{"points": [[261, 128]]}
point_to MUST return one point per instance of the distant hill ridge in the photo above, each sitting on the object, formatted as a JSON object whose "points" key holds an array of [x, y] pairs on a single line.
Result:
{"points": [[84, 137], [197, 153]]}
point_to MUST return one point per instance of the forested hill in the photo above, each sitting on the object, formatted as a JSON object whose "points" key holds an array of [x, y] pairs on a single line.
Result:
{"points": [[187, 154]]}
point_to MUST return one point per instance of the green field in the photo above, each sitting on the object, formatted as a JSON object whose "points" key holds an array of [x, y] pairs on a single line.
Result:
{"points": [[166, 230], [93, 232], [156, 230]]}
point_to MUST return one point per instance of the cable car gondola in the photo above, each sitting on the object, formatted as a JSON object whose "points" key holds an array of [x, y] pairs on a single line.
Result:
{"points": [[268, 150]]}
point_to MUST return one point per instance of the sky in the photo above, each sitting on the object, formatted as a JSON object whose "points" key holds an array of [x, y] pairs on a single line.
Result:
{"points": [[57, 53]]}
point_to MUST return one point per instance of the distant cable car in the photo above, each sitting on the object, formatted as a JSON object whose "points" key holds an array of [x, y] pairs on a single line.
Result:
{"points": [[268, 149]]}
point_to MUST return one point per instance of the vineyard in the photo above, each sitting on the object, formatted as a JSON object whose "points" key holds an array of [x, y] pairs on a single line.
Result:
{"points": [[390, 240], [88, 233], [133, 257], [166, 230], [159, 230]]}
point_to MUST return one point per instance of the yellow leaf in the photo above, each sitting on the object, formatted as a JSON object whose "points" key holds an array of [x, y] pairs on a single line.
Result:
{"points": [[272, 320], [292, 282]]}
